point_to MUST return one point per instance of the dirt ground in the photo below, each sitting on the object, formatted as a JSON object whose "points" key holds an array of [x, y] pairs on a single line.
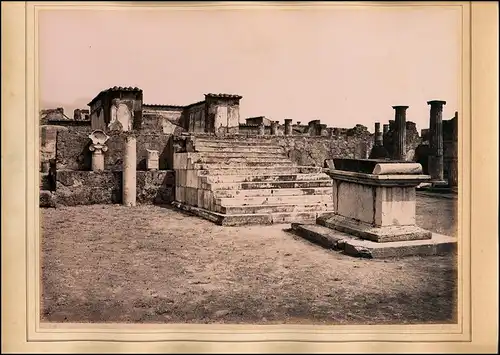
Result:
{"points": [[154, 264]]}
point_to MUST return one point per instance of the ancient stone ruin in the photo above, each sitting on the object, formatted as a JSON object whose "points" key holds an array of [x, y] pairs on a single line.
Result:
{"points": [[202, 159], [374, 203]]}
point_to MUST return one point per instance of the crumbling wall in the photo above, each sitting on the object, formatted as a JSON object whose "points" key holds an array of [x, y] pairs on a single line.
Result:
{"points": [[159, 118], [86, 187]]}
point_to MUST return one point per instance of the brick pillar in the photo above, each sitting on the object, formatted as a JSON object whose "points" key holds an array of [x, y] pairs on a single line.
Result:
{"points": [[288, 127], [436, 167], [399, 152]]}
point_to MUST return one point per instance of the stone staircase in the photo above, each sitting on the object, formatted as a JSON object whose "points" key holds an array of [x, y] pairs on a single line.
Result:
{"points": [[241, 180]]}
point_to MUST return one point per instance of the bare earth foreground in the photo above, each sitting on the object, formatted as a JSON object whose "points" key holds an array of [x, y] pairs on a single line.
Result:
{"points": [[154, 264]]}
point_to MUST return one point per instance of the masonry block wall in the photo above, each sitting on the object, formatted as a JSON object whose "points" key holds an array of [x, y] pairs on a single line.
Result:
{"points": [[86, 187], [72, 149]]}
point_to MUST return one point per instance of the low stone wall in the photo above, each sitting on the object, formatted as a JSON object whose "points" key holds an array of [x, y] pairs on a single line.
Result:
{"points": [[86, 187], [72, 150]]}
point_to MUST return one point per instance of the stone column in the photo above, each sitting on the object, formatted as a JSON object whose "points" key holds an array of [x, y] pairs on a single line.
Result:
{"points": [[152, 162], [98, 156], [378, 135], [262, 129], [385, 134], [436, 140], [274, 128], [399, 152], [288, 127], [97, 148], [129, 172]]}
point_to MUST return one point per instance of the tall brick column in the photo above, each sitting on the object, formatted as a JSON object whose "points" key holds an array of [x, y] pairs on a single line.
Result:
{"points": [[436, 166], [399, 152]]}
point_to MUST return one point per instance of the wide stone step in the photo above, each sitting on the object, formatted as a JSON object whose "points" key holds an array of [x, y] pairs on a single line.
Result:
{"points": [[272, 185], [234, 143], [245, 160], [241, 165], [239, 149], [240, 155], [279, 208], [278, 169], [251, 219], [274, 192], [274, 200], [270, 177]]}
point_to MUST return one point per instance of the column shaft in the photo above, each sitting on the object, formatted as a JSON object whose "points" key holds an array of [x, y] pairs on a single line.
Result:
{"points": [[130, 172]]}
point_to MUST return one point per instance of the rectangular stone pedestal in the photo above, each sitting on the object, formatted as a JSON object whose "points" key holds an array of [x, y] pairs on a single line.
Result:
{"points": [[375, 200], [375, 212]]}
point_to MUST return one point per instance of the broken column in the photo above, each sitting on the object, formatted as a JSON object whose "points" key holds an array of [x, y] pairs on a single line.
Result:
{"points": [[288, 127], [378, 150], [97, 148], [152, 161], [129, 171], [399, 141], [274, 128], [436, 141]]}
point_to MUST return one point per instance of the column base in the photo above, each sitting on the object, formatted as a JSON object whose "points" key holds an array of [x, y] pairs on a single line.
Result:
{"points": [[377, 234]]}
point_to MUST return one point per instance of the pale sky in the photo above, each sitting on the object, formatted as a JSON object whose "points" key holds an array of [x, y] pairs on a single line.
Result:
{"points": [[342, 66]]}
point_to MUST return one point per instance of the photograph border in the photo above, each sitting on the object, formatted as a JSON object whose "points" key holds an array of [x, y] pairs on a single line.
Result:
{"points": [[19, 95]]}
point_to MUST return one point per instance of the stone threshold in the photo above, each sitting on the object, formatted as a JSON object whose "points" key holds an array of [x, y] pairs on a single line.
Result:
{"points": [[332, 239]]}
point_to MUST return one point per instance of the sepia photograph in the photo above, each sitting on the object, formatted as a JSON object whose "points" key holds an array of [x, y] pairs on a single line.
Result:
{"points": [[222, 167], [250, 165]]}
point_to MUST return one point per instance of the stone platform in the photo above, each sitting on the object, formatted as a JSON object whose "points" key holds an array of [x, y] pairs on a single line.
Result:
{"points": [[350, 245], [237, 180]]}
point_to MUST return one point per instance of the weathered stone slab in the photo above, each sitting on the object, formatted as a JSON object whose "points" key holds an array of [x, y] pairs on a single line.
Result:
{"points": [[350, 245], [320, 235], [438, 244]]}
